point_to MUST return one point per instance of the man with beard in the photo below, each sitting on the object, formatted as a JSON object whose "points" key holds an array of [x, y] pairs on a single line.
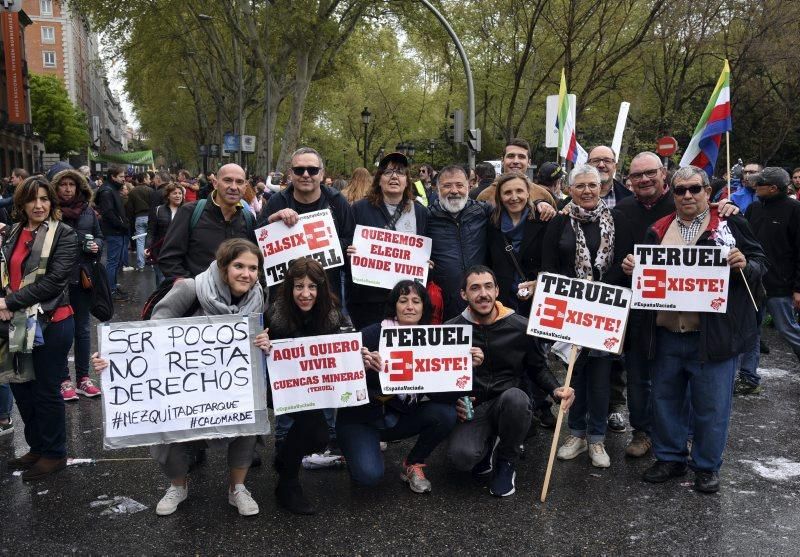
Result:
{"points": [[501, 406], [457, 226]]}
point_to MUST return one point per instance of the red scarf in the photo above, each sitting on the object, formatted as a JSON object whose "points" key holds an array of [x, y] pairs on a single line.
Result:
{"points": [[73, 208]]}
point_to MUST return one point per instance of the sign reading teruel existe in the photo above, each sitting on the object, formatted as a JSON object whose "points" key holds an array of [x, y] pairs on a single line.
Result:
{"points": [[384, 257], [175, 380], [313, 236], [581, 312], [681, 278], [426, 359]]}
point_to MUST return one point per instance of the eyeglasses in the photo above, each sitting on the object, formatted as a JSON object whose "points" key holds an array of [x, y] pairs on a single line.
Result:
{"points": [[598, 160], [300, 170], [584, 187], [638, 176], [389, 172], [681, 190]]}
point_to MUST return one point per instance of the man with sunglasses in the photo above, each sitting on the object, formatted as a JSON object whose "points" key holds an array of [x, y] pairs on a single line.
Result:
{"points": [[695, 354], [306, 194]]}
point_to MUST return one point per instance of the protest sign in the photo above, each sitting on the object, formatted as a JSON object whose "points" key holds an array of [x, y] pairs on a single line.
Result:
{"points": [[385, 257], [313, 236], [426, 359], [174, 380], [589, 314], [681, 278], [317, 372]]}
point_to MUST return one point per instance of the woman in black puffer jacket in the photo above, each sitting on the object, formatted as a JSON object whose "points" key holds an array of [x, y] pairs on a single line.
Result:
{"points": [[75, 201]]}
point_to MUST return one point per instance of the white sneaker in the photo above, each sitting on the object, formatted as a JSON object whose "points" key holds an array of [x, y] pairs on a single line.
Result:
{"points": [[571, 448], [599, 456], [240, 498], [174, 496]]}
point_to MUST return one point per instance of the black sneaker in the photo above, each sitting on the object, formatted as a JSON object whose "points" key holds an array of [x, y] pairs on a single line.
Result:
{"points": [[661, 471], [706, 482], [290, 496], [503, 479], [7, 428], [545, 417], [484, 467], [616, 422], [743, 387]]}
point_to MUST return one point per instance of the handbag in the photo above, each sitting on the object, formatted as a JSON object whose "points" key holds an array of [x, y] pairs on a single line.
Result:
{"points": [[100, 304], [86, 278]]}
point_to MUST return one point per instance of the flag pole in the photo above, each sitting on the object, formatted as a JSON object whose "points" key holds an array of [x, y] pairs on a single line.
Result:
{"points": [[728, 156]]}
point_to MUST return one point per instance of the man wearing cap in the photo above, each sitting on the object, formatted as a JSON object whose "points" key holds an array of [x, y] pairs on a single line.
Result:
{"points": [[550, 177], [612, 191], [695, 354], [775, 220]]}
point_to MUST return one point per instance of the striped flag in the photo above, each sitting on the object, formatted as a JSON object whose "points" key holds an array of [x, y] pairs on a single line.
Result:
{"points": [[716, 120], [567, 142]]}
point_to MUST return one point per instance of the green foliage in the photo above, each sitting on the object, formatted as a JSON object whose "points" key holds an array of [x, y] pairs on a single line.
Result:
{"points": [[55, 118]]}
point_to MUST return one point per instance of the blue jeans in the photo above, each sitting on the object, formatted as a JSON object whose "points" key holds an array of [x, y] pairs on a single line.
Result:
{"points": [[591, 379], [676, 369], [80, 300], [141, 228], [782, 312], [748, 361], [116, 246], [639, 389], [283, 423], [360, 442], [6, 402], [39, 402]]}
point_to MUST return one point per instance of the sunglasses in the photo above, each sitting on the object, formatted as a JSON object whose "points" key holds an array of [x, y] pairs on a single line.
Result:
{"points": [[681, 190], [300, 170]]}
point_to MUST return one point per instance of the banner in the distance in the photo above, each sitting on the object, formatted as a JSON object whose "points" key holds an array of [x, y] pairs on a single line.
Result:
{"points": [[681, 278], [581, 312], [317, 372], [313, 236], [426, 359], [384, 257], [173, 380]]}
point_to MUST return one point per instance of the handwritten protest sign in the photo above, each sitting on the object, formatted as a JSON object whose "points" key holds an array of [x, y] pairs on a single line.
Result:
{"points": [[384, 257], [313, 236], [426, 359], [585, 313], [317, 372], [181, 379], [681, 278]]}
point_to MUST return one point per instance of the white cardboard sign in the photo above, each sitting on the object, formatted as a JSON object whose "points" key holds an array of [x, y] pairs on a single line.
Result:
{"points": [[317, 372], [589, 314], [313, 236], [681, 278], [385, 257], [426, 359]]}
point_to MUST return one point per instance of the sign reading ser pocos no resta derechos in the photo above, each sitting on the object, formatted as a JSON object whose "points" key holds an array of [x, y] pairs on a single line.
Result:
{"points": [[585, 313], [681, 278]]}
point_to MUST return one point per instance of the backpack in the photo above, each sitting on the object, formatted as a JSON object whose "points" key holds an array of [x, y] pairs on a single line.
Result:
{"points": [[167, 284]]}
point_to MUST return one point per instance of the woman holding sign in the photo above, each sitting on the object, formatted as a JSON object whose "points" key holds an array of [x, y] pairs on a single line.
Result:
{"points": [[582, 245], [389, 204], [228, 287], [38, 259], [305, 306], [361, 429]]}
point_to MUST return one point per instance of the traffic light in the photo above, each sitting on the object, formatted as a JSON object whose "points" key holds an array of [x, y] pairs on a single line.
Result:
{"points": [[474, 140], [455, 130]]}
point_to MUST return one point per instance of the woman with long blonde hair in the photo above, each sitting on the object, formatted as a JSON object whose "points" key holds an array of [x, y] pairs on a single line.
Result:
{"points": [[359, 186]]}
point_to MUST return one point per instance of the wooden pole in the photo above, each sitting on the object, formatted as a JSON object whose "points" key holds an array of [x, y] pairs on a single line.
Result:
{"points": [[728, 160], [554, 445], [746, 285]]}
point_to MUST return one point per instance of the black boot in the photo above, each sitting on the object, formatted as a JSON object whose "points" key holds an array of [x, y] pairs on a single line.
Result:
{"points": [[289, 494]]}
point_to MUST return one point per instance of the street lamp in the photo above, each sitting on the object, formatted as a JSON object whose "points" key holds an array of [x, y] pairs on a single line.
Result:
{"points": [[410, 150], [365, 118]]}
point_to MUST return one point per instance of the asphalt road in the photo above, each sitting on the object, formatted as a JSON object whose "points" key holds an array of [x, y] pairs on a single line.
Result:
{"points": [[589, 511]]}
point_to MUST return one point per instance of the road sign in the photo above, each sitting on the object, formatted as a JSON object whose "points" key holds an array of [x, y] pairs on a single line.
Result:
{"points": [[202, 150], [230, 144], [248, 144], [666, 146], [213, 150]]}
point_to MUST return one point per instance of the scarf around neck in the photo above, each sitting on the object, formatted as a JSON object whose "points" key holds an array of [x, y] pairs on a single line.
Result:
{"points": [[215, 296], [605, 253], [513, 232], [73, 208]]}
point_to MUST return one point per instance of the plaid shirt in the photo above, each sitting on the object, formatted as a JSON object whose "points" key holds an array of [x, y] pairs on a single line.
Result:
{"points": [[689, 231]]}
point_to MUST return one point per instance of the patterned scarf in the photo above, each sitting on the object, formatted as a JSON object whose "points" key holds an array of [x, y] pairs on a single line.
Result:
{"points": [[605, 253]]}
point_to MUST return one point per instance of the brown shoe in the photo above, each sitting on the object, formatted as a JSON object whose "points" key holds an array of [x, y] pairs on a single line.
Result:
{"points": [[23, 462], [639, 446], [43, 468]]}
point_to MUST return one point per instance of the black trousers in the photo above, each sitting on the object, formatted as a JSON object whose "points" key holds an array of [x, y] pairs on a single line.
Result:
{"points": [[308, 434]]}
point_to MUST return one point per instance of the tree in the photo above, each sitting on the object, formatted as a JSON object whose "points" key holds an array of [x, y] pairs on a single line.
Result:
{"points": [[55, 118]]}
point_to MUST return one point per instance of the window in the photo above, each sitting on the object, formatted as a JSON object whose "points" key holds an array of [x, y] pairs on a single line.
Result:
{"points": [[46, 7], [49, 57], [48, 35]]}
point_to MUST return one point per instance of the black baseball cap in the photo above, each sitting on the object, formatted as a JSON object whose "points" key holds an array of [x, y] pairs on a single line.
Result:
{"points": [[395, 157], [550, 172]]}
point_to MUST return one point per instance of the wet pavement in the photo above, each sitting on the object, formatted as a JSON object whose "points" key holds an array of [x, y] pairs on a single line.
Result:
{"points": [[588, 511]]}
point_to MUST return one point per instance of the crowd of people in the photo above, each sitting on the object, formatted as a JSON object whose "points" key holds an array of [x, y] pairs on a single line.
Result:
{"points": [[491, 236]]}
